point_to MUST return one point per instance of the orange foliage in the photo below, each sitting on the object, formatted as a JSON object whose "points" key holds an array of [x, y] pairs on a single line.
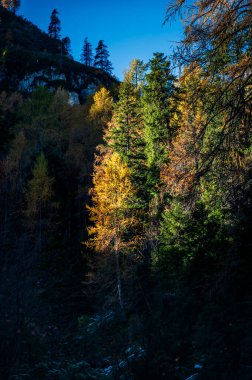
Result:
{"points": [[181, 173]]}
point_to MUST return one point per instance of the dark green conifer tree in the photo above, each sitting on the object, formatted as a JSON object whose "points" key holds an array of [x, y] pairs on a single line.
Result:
{"points": [[101, 59], [125, 134], [87, 53], [157, 113], [66, 47], [54, 27]]}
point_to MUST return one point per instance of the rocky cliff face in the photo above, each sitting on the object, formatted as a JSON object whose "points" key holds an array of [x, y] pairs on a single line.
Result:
{"points": [[79, 86], [28, 59]]}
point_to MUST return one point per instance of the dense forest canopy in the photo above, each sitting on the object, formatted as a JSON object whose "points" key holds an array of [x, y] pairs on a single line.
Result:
{"points": [[125, 227]]}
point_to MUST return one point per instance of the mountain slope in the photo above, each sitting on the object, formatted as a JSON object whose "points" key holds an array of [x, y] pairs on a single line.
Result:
{"points": [[29, 57]]}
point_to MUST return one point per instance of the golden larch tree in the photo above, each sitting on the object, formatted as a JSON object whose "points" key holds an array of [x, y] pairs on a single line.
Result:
{"points": [[115, 220]]}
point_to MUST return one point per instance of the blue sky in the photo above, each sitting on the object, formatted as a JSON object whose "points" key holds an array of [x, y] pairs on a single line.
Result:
{"points": [[130, 28]]}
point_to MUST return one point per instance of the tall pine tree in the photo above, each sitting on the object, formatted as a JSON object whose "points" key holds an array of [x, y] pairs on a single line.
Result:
{"points": [[101, 59], [87, 53], [136, 73], [54, 27], [125, 133], [157, 112]]}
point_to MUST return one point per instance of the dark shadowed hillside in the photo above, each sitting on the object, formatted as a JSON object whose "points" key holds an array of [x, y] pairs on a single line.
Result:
{"points": [[29, 57]]}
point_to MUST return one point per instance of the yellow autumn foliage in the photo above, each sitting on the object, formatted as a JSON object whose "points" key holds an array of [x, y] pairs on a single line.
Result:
{"points": [[112, 213], [101, 109]]}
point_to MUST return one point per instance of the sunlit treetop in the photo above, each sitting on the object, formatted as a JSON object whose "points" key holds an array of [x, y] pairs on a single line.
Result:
{"points": [[11, 5]]}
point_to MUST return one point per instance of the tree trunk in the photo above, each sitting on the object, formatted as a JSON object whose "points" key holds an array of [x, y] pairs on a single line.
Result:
{"points": [[119, 285]]}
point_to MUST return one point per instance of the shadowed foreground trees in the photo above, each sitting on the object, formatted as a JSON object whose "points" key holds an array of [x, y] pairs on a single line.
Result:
{"points": [[39, 193], [44, 175]]}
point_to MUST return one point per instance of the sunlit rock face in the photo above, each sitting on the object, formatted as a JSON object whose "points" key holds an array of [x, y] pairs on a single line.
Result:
{"points": [[32, 81], [73, 98], [78, 86], [46, 78], [90, 89]]}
